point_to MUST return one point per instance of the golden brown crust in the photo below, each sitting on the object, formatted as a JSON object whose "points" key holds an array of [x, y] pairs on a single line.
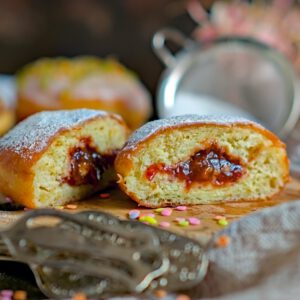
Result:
{"points": [[134, 118], [123, 162], [16, 174], [16, 177]]}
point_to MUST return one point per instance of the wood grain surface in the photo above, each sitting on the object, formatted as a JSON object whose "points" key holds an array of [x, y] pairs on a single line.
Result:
{"points": [[119, 205]]}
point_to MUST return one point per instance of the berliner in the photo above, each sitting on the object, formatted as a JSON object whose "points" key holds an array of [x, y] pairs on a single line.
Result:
{"points": [[195, 159], [82, 82], [7, 103], [55, 157]]}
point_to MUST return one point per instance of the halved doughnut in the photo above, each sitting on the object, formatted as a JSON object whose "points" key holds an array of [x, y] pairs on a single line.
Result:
{"points": [[52, 158], [201, 159]]}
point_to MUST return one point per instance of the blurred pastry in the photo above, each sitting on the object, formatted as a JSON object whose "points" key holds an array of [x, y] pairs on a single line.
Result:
{"points": [[83, 82], [194, 159], [7, 103], [55, 157]]}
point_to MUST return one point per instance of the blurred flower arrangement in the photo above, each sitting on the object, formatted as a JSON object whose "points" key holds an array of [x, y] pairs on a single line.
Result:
{"points": [[275, 23]]}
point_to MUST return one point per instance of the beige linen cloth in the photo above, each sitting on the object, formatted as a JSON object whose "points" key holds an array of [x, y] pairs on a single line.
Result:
{"points": [[262, 260]]}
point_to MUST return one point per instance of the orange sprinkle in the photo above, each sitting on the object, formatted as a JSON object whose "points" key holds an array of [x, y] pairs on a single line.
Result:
{"points": [[222, 241], [79, 296], [160, 294], [182, 297], [71, 206], [20, 295], [218, 217], [104, 195]]}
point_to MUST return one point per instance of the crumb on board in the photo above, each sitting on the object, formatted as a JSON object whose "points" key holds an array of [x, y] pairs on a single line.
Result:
{"points": [[71, 206], [222, 241], [79, 296]]}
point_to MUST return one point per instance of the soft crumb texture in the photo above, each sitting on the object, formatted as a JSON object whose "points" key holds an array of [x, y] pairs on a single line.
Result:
{"points": [[39, 149], [151, 127], [176, 139]]}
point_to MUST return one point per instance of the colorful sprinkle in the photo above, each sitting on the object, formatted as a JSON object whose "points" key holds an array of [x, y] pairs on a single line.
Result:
{"points": [[180, 219], [150, 215], [79, 296], [159, 210], [20, 295], [184, 223], [104, 195], [134, 214], [147, 215], [222, 241], [71, 206], [180, 208], [166, 212], [148, 220], [194, 221], [218, 217], [182, 297], [160, 294], [223, 222], [164, 224]]}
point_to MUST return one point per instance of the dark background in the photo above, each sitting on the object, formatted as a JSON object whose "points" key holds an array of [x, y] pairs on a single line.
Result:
{"points": [[30, 29]]}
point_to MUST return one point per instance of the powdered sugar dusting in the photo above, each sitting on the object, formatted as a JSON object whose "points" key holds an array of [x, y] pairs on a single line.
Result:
{"points": [[34, 133], [151, 127]]}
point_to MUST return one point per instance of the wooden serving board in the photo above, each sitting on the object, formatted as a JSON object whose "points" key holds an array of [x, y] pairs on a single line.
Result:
{"points": [[119, 205]]}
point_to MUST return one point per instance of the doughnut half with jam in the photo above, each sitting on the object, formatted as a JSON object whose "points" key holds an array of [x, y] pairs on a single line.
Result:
{"points": [[53, 158], [195, 159]]}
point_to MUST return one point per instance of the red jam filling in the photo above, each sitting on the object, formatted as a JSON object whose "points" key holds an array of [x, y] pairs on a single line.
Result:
{"points": [[86, 164], [209, 166]]}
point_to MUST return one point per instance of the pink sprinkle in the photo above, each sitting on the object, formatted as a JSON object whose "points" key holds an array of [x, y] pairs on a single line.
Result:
{"points": [[194, 221], [218, 217], [134, 214], [150, 215], [180, 208], [179, 219], [164, 224], [166, 212]]}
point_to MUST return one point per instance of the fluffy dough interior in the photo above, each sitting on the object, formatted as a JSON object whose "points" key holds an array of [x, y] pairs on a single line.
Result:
{"points": [[265, 165], [49, 190]]}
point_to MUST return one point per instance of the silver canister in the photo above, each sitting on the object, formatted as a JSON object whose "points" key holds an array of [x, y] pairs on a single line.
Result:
{"points": [[233, 75]]}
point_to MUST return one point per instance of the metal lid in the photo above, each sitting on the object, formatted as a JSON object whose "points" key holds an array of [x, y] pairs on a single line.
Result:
{"points": [[232, 76]]}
